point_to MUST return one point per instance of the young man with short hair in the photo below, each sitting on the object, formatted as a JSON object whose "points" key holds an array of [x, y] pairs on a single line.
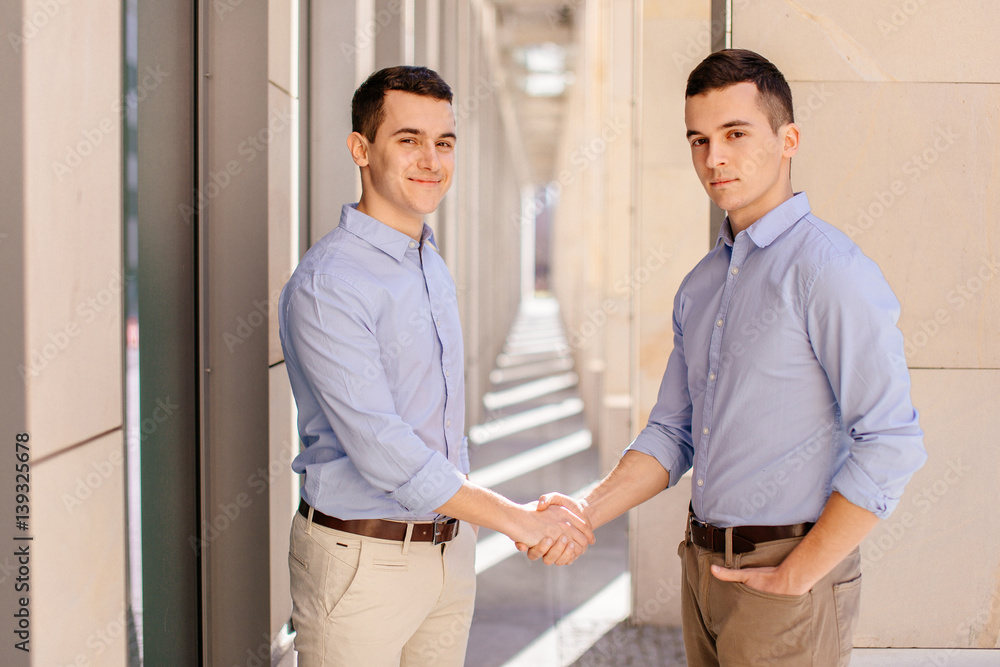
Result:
{"points": [[786, 394], [381, 557]]}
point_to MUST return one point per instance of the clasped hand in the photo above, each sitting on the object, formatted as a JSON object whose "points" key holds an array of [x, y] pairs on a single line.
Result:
{"points": [[562, 529]]}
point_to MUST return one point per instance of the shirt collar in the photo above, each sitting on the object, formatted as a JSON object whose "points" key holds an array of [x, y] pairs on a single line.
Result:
{"points": [[773, 224], [390, 241]]}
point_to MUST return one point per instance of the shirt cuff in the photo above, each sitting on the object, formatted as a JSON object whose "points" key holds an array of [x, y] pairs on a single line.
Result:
{"points": [[858, 488], [431, 487]]}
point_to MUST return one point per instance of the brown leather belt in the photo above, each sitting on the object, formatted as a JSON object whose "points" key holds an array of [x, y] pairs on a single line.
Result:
{"points": [[745, 538], [435, 532]]}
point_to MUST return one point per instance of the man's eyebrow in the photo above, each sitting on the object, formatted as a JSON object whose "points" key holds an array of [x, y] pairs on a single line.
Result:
{"points": [[421, 133], [729, 124]]}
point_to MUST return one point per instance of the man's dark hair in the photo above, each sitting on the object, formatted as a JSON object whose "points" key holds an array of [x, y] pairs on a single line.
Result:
{"points": [[368, 105], [731, 66]]}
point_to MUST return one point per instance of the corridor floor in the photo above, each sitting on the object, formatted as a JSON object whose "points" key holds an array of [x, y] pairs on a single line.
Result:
{"points": [[535, 440]]}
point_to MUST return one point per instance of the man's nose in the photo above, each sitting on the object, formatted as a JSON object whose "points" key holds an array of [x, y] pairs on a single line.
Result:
{"points": [[716, 157], [429, 158]]}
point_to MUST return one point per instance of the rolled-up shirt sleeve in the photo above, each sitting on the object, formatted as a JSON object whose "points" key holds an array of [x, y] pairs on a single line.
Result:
{"points": [[667, 435], [331, 327], [851, 319]]}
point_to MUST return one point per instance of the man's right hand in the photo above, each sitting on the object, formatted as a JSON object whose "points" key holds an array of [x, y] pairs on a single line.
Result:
{"points": [[548, 502], [555, 533], [637, 478]]}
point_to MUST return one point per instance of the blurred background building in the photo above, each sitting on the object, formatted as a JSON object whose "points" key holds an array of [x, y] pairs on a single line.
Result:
{"points": [[166, 164]]}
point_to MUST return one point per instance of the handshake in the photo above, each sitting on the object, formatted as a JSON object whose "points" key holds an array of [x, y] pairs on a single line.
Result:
{"points": [[555, 528]]}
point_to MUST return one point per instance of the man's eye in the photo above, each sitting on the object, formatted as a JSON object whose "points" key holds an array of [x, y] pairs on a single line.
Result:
{"points": [[699, 142], [737, 134]]}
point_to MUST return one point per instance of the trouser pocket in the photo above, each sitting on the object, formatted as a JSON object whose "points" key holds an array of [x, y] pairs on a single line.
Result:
{"points": [[847, 598]]}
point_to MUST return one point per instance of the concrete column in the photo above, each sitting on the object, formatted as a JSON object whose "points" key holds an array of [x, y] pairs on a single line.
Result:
{"points": [[618, 230], [283, 246], [578, 268], [427, 34], [341, 43], [671, 236], [394, 39], [63, 285]]}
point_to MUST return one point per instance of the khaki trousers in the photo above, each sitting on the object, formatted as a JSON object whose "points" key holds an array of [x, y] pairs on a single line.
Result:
{"points": [[366, 602], [732, 625]]}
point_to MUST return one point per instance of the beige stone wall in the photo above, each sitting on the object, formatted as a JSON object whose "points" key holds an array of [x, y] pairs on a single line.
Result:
{"points": [[899, 106], [73, 291]]}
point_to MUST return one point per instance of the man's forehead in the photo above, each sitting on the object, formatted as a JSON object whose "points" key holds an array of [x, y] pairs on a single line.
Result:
{"points": [[725, 107], [403, 102], [402, 105]]}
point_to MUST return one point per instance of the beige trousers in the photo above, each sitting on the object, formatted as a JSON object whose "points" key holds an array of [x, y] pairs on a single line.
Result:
{"points": [[365, 602], [732, 625]]}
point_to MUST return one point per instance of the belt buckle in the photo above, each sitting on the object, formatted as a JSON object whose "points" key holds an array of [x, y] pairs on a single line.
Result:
{"points": [[710, 536], [438, 530]]}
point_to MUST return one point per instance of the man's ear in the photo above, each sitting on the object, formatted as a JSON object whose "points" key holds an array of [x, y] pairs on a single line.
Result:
{"points": [[791, 140], [358, 146]]}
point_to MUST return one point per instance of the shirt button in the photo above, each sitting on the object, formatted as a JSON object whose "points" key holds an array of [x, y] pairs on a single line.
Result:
{"points": [[447, 374], [705, 430], [448, 423], [711, 377], [735, 270], [413, 244], [718, 322], [701, 482]]}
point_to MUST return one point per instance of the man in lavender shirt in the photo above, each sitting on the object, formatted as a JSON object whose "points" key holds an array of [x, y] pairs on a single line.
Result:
{"points": [[381, 557], [786, 395]]}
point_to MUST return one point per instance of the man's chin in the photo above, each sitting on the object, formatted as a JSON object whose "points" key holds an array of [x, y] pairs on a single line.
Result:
{"points": [[427, 207]]}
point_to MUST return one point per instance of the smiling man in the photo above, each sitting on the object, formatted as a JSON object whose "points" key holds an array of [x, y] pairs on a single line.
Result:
{"points": [[381, 561], [786, 394]]}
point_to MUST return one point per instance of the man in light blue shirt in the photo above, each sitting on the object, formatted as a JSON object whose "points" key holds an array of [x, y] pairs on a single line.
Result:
{"points": [[382, 570], [786, 394]]}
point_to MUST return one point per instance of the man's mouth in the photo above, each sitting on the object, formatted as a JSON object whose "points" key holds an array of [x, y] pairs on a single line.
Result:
{"points": [[722, 182], [423, 181]]}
